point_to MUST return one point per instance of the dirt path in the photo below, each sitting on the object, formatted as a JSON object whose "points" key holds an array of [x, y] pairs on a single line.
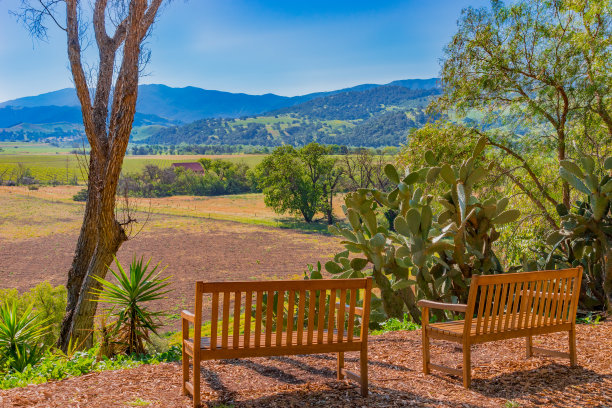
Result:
{"points": [[502, 377]]}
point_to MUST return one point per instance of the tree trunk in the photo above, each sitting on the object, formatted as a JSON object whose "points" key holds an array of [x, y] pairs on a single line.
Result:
{"points": [[101, 234], [561, 156]]}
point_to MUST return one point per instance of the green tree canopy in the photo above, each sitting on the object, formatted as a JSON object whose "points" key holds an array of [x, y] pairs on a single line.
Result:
{"points": [[300, 181]]}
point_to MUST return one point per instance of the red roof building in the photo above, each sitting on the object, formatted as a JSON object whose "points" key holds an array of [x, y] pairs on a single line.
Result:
{"points": [[195, 167]]}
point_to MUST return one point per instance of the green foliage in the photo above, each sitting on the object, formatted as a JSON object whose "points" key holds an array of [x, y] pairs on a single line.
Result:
{"points": [[585, 236], [434, 249], [81, 195], [55, 365], [20, 337], [48, 302], [299, 181], [133, 319], [394, 324], [220, 177]]}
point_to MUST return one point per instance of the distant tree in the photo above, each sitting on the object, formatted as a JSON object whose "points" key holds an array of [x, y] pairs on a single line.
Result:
{"points": [[323, 174], [300, 181], [113, 84]]}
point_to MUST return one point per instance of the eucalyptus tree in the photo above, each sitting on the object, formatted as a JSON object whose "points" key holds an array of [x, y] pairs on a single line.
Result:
{"points": [[538, 73], [112, 33]]}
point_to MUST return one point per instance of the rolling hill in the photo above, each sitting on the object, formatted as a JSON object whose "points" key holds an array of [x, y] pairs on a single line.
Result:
{"points": [[374, 117], [167, 115]]}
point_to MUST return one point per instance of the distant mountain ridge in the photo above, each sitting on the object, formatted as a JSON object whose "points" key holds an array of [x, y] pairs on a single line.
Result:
{"points": [[191, 103], [374, 116], [162, 109]]}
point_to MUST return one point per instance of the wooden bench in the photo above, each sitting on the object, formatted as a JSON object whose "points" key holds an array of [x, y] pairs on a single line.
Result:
{"points": [[302, 324], [508, 306]]}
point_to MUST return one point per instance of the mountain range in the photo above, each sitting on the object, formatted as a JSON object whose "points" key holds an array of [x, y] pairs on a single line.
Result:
{"points": [[167, 115]]}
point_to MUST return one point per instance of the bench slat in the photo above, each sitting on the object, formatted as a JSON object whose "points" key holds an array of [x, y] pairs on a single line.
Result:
{"points": [[237, 300], [247, 317], [280, 307], [331, 316], [285, 342], [321, 321], [341, 313], [351, 316], [311, 315], [276, 285], [290, 311], [269, 317], [258, 306], [225, 322], [301, 313], [214, 319]]}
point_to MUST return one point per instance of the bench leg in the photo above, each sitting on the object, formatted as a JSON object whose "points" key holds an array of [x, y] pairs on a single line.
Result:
{"points": [[196, 380], [363, 361], [340, 365], [529, 346], [426, 355], [467, 365], [185, 371], [572, 347], [185, 360]]}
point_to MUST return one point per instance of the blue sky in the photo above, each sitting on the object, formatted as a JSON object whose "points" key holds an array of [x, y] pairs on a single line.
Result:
{"points": [[258, 46]]}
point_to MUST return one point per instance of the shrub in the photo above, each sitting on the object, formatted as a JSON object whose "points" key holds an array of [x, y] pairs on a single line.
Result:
{"points": [[56, 366], [133, 320], [20, 334], [81, 195], [47, 301]]}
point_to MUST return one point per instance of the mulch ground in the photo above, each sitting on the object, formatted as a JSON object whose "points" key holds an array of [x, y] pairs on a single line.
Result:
{"points": [[502, 377]]}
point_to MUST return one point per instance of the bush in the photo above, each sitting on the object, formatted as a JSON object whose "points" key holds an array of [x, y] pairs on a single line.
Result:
{"points": [[394, 324], [133, 321], [81, 195], [20, 335], [57, 366], [47, 301]]}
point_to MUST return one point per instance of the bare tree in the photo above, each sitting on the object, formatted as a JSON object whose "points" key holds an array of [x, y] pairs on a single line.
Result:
{"points": [[114, 84]]}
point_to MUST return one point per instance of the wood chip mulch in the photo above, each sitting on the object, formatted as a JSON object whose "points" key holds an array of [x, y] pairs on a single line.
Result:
{"points": [[502, 377]]}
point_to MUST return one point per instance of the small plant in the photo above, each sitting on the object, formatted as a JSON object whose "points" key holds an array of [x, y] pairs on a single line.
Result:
{"points": [[133, 320], [56, 365], [81, 195], [20, 335], [590, 319], [138, 402], [394, 324], [511, 404]]}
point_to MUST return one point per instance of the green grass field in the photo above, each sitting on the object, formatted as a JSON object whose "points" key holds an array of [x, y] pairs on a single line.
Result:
{"points": [[47, 163]]}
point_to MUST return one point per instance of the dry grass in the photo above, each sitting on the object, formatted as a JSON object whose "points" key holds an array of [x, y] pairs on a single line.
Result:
{"points": [[51, 210]]}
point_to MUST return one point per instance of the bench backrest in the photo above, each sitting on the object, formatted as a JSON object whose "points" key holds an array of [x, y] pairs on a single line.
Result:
{"points": [[283, 313], [524, 300]]}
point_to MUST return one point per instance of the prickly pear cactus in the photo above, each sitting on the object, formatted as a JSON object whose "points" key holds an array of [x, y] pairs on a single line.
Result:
{"points": [[435, 246], [585, 237]]}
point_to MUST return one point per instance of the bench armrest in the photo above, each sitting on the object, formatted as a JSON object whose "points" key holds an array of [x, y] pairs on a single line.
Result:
{"points": [[456, 307], [186, 315], [358, 310]]}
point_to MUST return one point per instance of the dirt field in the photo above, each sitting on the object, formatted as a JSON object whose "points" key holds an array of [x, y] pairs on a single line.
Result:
{"points": [[38, 234], [502, 378]]}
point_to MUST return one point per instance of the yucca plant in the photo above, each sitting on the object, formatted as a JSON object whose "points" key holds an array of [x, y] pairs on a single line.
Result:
{"points": [[133, 320], [20, 336]]}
